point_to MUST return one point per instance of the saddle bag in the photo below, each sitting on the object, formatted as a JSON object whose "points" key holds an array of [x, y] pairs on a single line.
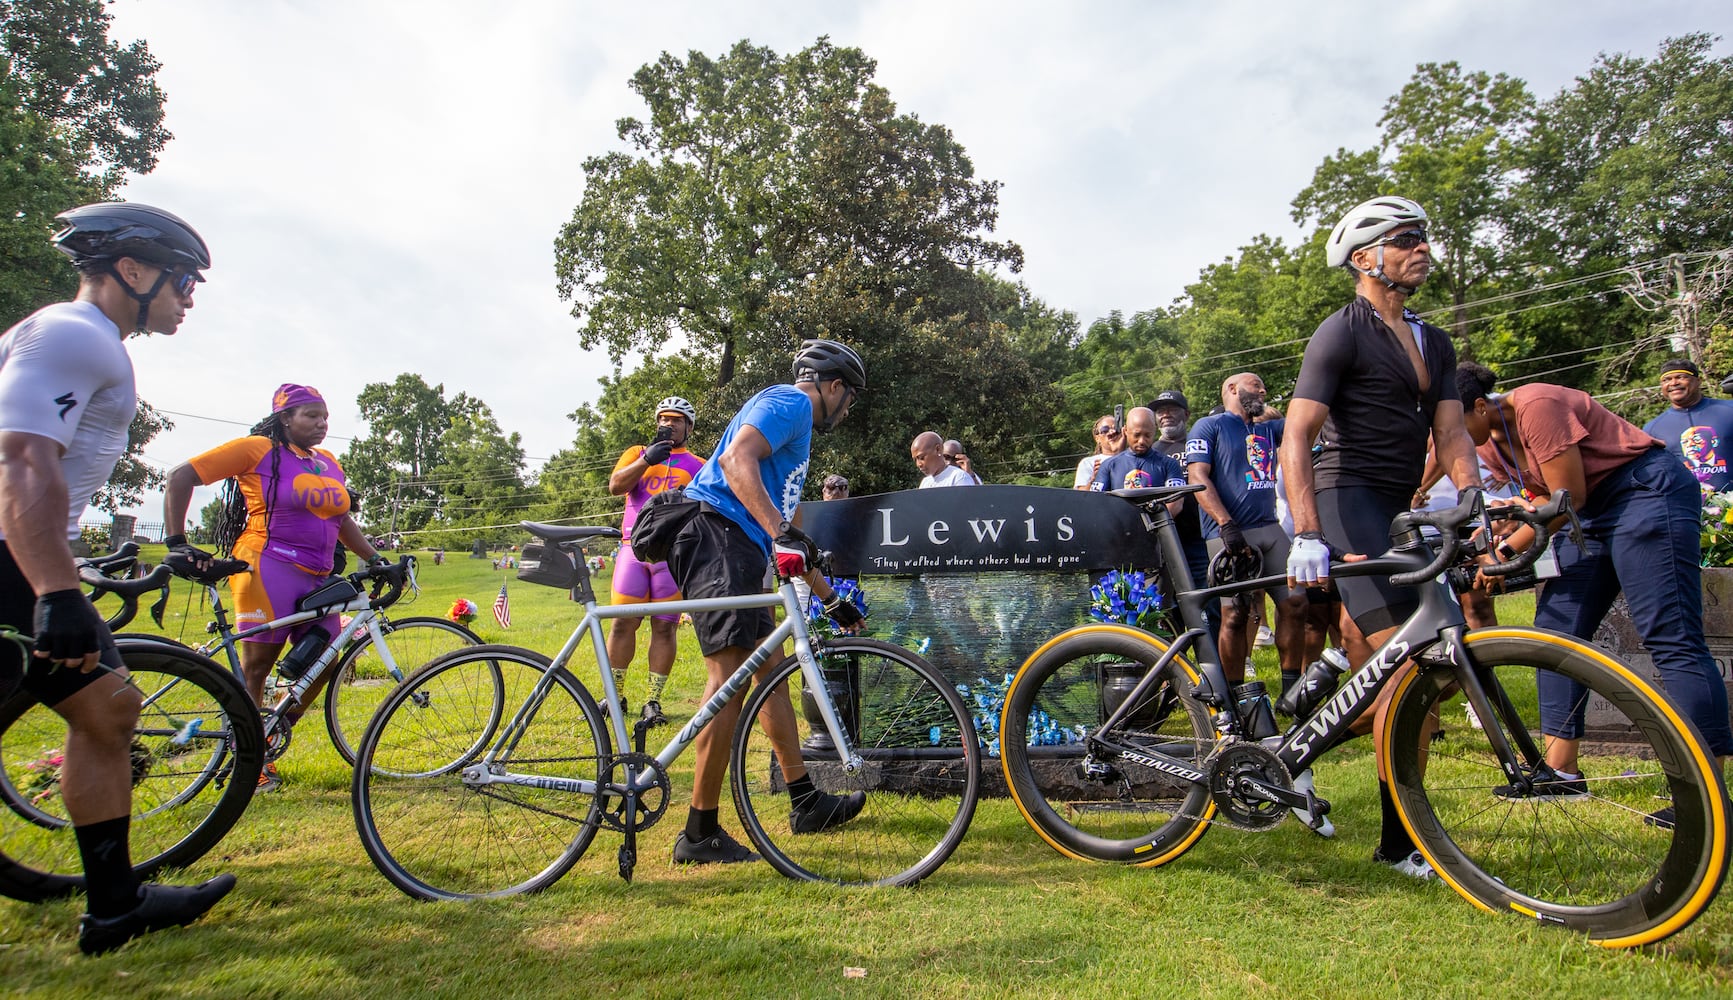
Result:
{"points": [[548, 564], [660, 520]]}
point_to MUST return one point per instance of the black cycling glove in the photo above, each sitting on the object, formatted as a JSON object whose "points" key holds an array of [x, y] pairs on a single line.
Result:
{"points": [[184, 557], [1233, 539], [67, 627], [843, 611], [658, 452]]}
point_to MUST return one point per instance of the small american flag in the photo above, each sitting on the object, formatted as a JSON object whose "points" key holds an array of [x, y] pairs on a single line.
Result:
{"points": [[502, 608]]}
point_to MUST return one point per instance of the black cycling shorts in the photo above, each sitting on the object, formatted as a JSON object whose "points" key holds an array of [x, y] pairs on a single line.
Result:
{"points": [[1357, 519], [714, 557], [50, 684]]}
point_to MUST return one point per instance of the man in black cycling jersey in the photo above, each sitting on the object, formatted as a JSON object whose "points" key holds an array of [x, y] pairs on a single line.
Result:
{"points": [[66, 402], [1375, 382]]}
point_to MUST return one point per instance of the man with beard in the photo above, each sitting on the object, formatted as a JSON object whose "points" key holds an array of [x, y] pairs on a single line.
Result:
{"points": [[1140, 465], [1172, 414], [1375, 382]]}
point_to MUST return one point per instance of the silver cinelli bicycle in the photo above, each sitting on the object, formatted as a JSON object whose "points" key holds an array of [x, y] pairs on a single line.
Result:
{"points": [[489, 771]]}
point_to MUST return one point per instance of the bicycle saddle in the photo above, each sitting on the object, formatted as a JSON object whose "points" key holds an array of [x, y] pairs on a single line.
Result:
{"points": [[559, 533]]}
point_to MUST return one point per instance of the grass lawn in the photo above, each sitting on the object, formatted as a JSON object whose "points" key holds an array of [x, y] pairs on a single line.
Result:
{"points": [[1278, 914]]}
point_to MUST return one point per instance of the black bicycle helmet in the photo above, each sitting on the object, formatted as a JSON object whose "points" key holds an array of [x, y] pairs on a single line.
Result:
{"points": [[1235, 567], [105, 232], [822, 359]]}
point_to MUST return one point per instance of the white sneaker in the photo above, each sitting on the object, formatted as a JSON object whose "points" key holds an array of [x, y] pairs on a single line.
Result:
{"points": [[1473, 720], [1303, 783], [1414, 866], [1264, 638]]}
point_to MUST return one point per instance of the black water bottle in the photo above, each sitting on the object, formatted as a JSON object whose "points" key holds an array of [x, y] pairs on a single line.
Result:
{"points": [[1252, 703], [302, 654], [1315, 685]]}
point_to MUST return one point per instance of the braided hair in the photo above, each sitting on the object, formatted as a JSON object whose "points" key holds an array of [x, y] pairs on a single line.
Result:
{"points": [[232, 522]]}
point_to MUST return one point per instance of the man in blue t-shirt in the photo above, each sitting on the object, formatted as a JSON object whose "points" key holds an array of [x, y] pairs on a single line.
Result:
{"points": [[1140, 465], [1698, 431], [751, 489], [1233, 457]]}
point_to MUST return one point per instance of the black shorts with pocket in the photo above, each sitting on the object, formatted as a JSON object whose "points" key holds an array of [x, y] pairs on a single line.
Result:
{"points": [[49, 683], [714, 557]]}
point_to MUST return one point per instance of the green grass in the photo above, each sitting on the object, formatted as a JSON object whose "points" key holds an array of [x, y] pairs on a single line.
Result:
{"points": [[1241, 915]]}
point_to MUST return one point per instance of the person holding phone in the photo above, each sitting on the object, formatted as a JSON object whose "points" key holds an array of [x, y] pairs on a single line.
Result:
{"points": [[641, 473]]}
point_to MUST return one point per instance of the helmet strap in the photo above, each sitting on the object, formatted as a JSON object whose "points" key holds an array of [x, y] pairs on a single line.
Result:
{"points": [[826, 419], [143, 300]]}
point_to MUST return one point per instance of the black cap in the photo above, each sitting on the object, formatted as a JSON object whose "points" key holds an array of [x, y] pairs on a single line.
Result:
{"points": [[1171, 397], [1681, 365]]}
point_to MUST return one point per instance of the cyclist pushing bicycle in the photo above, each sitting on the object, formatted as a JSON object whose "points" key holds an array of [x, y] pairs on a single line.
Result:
{"points": [[292, 498], [750, 491]]}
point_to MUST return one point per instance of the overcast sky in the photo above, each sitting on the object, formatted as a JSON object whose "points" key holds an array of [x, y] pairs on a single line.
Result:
{"points": [[381, 183]]}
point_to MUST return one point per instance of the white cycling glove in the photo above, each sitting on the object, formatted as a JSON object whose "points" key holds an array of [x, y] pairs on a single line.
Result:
{"points": [[1309, 561]]}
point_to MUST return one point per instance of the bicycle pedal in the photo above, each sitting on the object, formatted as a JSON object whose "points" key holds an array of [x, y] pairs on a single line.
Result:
{"points": [[628, 862]]}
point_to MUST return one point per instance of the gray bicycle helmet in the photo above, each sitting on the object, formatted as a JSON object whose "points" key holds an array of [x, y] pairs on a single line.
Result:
{"points": [[822, 359], [1368, 222], [675, 404], [99, 234]]}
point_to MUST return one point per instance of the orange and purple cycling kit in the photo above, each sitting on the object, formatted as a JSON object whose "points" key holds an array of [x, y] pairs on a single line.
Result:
{"points": [[290, 550], [636, 582]]}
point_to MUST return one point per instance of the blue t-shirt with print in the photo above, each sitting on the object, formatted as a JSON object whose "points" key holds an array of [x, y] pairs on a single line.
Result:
{"points": [[1701, 437], [783, 415], [1127, 470], [1242, 460]]}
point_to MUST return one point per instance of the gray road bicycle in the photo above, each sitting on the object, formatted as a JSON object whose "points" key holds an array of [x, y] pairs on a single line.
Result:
{"points": [[491, 770]]}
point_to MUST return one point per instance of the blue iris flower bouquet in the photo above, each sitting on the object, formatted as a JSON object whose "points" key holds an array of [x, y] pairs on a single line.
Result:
{"points": [[1128, 597]]}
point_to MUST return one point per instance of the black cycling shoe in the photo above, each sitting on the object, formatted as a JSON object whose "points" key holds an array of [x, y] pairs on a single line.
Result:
{"points": [[652, 713], [159, 907], [720, 849], [823, 810]]}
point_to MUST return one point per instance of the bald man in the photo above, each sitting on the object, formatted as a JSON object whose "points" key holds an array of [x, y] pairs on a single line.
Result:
{"points": [[928, 453]]}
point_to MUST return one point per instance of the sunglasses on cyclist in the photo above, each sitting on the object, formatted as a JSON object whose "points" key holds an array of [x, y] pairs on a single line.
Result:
{"points": [[182, 281], [1404, 241]]}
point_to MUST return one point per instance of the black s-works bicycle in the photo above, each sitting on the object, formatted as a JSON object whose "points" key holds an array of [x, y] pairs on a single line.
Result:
{"points": [[1136, 776]]}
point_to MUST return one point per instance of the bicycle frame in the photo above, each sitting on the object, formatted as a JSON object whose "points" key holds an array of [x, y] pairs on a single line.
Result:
{"points": [[793, 626], [1432, 636]]}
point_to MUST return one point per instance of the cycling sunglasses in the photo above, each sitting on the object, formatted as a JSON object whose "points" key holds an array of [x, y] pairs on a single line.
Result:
{"points": [[1404, 241]]}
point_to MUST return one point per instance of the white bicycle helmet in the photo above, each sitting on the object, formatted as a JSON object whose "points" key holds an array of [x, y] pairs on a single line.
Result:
{"points": [[675, 404], [1366, 223]]}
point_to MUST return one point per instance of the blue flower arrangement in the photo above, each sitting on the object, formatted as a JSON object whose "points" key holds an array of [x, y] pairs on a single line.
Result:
{"points": [[1128, 598], [988, 701]]}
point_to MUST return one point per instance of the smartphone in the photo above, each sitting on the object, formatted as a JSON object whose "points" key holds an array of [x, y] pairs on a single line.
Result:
{"points": [[1119, 417], [664, 433]]}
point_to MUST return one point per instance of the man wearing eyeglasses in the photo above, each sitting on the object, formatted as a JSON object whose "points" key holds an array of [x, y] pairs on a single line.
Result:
{"points": [[1698, 431], [1375, 382], [1109, 441], [66, 401]]}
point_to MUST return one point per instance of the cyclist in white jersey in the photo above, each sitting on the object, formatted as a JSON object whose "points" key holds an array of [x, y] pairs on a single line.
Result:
{"points": [[66, 401]]}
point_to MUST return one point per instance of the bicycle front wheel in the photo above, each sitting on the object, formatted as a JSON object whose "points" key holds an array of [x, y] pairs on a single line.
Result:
{"points": [[196, 753], [1106, 803], [362, 679], [921, 770], [1593, 860], [438, 836]]}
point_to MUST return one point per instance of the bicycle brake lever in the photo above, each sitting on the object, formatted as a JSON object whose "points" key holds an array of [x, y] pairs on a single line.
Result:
{"points": [[161, 605]]}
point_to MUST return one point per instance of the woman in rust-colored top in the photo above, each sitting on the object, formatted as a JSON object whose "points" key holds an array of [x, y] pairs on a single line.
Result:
{"points": [[1641, 517]]}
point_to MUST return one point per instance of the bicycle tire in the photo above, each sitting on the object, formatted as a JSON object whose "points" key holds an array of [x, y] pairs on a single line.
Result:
{"points": [[1135, 814], [922, 773], [191, 781], [360, 683], [1593, 864], [436, 839]]}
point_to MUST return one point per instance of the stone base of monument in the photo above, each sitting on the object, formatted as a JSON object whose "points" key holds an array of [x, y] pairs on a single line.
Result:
{"points": [[1618, 636]]}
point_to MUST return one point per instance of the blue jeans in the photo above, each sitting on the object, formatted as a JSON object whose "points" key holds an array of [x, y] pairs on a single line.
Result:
{"points": [[1642, 524]]}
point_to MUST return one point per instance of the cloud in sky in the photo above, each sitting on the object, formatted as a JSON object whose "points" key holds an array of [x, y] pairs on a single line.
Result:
{"points": [[381, 184]]}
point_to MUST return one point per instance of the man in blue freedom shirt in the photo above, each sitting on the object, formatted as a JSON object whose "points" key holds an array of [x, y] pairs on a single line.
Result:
{"points": [[752, 488], [1698, 431]]}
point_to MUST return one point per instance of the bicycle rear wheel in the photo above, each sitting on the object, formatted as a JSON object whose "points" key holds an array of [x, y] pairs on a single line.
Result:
{"points": [[1595, 863], [361, 680], [436, 838], [196, 753], [1106, 806], [921, 777]]}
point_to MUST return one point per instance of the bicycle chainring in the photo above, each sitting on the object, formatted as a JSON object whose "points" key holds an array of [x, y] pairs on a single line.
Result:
{"points": [[277, 735], [644, 808], [1231, 770]]}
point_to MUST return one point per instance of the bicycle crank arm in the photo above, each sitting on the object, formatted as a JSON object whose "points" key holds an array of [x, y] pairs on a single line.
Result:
{"points": [[1260, 791]]}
